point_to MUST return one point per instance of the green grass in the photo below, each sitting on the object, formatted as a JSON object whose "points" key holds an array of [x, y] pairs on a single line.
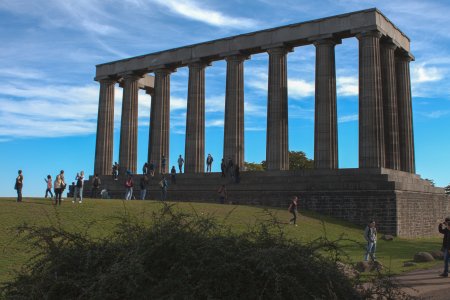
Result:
{"points": [[75, 217]]}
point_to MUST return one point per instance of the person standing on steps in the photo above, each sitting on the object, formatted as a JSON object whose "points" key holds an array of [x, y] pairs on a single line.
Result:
{"points": [[19, 185], [145, 169], [151, 169], [180, 163], [293, 209], [163, 164], [209, 161], [173, 174], [444, 228], [48, 180], [370, 235], [223, 167]]}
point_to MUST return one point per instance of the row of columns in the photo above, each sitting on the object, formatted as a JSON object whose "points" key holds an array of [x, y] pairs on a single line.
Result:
{"points": [[385, 112]]}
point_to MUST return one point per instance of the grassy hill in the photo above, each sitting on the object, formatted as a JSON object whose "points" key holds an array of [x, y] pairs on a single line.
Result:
{"points": [[98, 218]]}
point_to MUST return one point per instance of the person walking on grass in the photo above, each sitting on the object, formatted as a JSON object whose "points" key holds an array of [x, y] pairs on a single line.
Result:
{"points": [[163, 185], [129, 188], [370, 235], [48, 180], [444, 228], [57, 186], [143, 183], [222, 191], [79, 179], [293, 209], [95, 186], [19, 185]]}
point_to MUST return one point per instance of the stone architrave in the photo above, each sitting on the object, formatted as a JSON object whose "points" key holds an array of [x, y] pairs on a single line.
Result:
{"points": [[105, 128], [390, 112], [129, 124], [233, 144], [325, 129], [160, 126], [405, 118], [195, 120], [371, 126], [277, 151]]}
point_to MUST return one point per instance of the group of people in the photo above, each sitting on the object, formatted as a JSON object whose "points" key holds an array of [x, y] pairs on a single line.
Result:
{"points": [[143, 185], [228, 168]]}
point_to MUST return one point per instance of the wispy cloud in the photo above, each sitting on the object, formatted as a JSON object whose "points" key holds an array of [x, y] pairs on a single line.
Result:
{"points": [[299, 88], [422, 73], [435, 114], [347, 85], [348, 118], [196, 11]]}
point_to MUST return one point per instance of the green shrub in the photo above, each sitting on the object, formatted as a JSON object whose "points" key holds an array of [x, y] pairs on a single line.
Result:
{"points": [[179, 256]]}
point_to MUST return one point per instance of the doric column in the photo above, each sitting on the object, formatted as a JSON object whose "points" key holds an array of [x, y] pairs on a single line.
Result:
{"points": [[390, 113], [129, 124], [233, 141], [151, 93], [405, 119], [195, 120], [105, 128], [371, 132], [160, 120], [325, 129], [277, 151]]}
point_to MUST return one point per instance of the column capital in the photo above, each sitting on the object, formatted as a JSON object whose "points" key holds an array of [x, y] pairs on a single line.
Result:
{"points": [[327, 41], [404, 56], [388, 44], [237, 57], [371, 33], [107, 79], [199, 64], [279, 50], [131, 76], [164, 71]]}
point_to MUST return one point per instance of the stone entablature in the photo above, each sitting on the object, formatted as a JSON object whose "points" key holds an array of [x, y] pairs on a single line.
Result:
{"points": [[294, 35]]}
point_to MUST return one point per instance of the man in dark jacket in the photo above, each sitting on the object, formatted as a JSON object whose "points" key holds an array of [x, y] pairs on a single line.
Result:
{"points": [[444, 229]]}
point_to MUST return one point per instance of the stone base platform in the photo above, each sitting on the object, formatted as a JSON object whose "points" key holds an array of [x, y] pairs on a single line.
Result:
{"points": [[401, 203]]}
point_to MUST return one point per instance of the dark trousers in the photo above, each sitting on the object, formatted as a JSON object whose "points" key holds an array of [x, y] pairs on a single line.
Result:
{"points": [[294, 219], [180, 167], [446, 259], [94, 192], [19, 194], [48, 190], [58, 193]]}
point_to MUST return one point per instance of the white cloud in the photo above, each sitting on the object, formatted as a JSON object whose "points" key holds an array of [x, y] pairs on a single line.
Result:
{"points": [[435, 114], [347, 86], [421, 73], [299, 88], [348, 118], [214, 123], [195, 11]]}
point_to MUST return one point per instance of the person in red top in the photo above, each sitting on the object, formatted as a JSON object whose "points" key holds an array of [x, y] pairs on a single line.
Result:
{"points": [[49, 186], [129, 188]]}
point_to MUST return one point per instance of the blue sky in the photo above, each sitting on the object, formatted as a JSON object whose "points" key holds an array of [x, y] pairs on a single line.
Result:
{"points": [[48, 99]]}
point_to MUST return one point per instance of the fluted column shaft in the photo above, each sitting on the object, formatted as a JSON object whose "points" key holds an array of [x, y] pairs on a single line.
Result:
{"points": [[160, 120], [129, 124], [277, 151], [325, 129], [371, 127], [405, 118], [195, 120], [105, 128], [390, 113], [233, 144]]}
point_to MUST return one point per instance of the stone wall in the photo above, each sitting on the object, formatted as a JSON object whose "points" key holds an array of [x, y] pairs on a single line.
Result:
{"points": [[401, 203]]}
